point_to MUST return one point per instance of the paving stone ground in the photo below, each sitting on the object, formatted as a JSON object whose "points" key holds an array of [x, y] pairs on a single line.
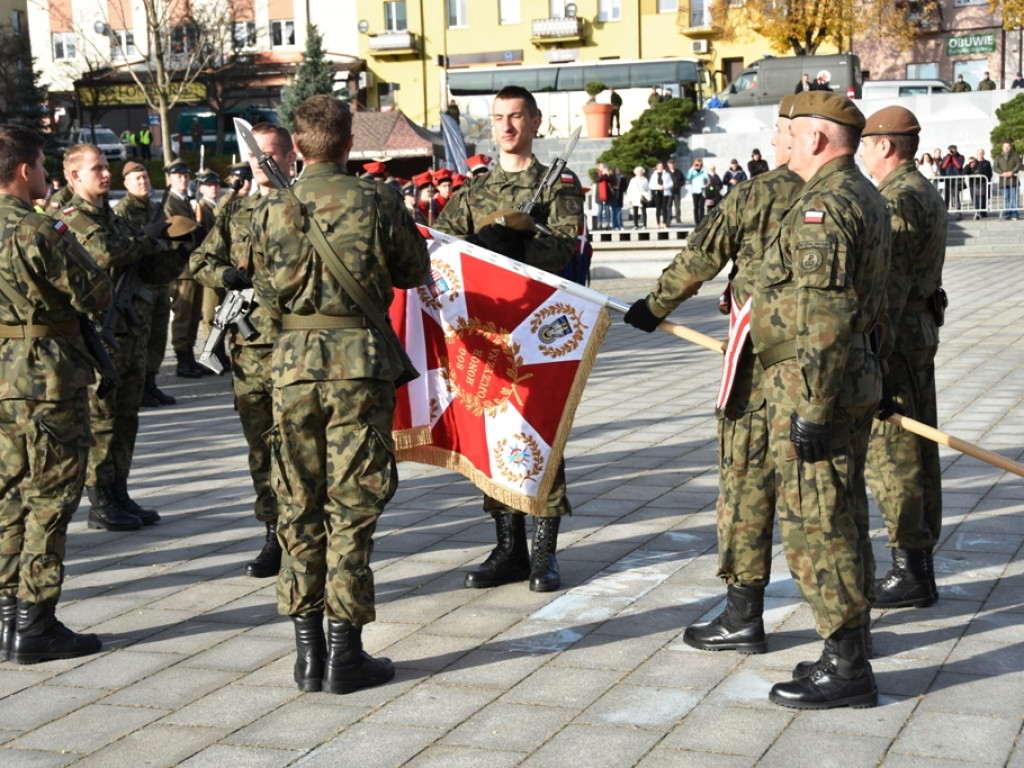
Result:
{"points": [[196, 667]]}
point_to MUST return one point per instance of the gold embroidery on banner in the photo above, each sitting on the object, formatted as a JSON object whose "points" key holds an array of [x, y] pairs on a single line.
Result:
{"points": [[468, 372], [571, 342], [444, 281], [520, 462]]}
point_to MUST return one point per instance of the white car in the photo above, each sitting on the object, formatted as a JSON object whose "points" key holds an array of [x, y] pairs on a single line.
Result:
{"points": [[105, 139]]}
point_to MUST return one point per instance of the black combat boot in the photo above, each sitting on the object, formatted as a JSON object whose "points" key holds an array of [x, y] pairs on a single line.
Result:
{"points": [[8, 623], [842, 677], [907, 583], [543, 566], [39, 636], [147, 516], [268, 561], [310, 651], [349, 667], [107, 514], [804, 668], [148, 398], [738, 628], [509, 561], [187, 367], [161, 397]]}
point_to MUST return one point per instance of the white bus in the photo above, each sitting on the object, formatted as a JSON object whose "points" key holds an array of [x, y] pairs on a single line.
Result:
{"points": [[558, 89]]}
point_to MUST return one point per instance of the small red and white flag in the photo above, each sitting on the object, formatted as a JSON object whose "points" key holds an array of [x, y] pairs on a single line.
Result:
{"points": [[814, 217]]}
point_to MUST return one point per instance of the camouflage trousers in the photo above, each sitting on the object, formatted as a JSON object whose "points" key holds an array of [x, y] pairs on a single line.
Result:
{"points": [[115, 418], [43, 449], [903, 470], [333, 470], [821, 506], [158, 317], [745, 511], [557, 504], [251, 376]]}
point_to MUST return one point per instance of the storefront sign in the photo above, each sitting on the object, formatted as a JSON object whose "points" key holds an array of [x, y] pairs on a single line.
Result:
{"points": [[967, 44]]}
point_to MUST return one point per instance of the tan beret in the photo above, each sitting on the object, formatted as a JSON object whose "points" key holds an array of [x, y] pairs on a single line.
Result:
{"points": [[131, 167], [892, 121], [786, 104], [179, 226], [510, 218], [827, 105]]}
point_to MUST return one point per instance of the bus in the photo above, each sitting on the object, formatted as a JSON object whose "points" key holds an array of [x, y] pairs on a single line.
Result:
{"points": [[558, 89]]}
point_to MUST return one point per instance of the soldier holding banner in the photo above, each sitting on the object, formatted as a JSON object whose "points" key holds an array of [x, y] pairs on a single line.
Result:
{"points": [[473, 214]]}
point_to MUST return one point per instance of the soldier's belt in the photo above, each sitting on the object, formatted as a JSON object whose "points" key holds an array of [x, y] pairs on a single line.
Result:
{"points": [[67, 328], [918, 305], [321, 322], [787, 350]]}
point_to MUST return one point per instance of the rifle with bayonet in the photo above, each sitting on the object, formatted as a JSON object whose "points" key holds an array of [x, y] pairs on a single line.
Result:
{"points": [[233, 312], [553, 174]]}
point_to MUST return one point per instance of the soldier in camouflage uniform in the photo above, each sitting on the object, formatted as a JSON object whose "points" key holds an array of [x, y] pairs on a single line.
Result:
{"points": [[117, 246], [334, 464], [186, 293], [819, 295], [903, 469], [738, 229], [513, 180], [139, 210], [222, 261], [46, 280]]}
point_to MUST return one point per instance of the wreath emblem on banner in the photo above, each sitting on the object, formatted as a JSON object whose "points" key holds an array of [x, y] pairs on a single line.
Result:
{"points": [[480, 400], [567, 324], [444, 281], [518, 458]]}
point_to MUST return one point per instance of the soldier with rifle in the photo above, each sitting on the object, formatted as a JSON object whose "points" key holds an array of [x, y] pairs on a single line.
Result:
{"points": [[222, 261], [131, 258], [552, 198]]}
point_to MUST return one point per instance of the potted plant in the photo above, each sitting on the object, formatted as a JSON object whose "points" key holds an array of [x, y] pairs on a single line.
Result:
{"points": [[598, 116]]}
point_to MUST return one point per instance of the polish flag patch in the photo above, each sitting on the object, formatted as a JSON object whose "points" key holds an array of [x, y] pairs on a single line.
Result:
{"points": [[567, 178], [60, 226], [814, 217]]}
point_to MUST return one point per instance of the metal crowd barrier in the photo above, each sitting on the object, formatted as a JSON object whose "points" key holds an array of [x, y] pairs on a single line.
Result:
{"points": [[977, 197]]}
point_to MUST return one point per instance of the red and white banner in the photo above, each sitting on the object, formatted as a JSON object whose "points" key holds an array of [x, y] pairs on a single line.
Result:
{"points": [[504, 359]]}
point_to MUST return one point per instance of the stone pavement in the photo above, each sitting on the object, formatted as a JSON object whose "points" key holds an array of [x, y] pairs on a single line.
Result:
{"points": [[196, 668]]}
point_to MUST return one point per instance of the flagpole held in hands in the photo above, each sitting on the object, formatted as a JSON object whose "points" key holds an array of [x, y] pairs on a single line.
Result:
{"points": [[911, 425]]}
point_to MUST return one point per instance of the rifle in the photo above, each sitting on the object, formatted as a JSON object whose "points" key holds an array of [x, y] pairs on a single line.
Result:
{"points": [[109, 378], [552, 175], [233, 312]]}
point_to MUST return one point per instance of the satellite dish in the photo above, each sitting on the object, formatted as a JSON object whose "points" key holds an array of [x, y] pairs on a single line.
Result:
{"points": [[101, 27]]}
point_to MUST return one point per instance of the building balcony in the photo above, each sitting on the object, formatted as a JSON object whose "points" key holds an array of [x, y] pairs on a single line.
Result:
{"points": [[696, 22], [393, 44], [554, 31]]}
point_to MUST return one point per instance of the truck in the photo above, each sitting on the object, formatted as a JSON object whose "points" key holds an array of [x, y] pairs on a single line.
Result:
{"points": [[767, 80], [208, 119]]}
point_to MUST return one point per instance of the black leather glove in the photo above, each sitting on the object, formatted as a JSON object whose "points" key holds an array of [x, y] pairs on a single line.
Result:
{"points": [[236, 279], [501, 239], [810, 439], [640, 316], [155, 230], [238, 183], [887, 406]]}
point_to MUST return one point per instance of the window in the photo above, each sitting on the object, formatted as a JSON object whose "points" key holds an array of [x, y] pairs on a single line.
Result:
{"points": [[244, 34], [668, 6], [18, 22], [924, 71], [508, 11], [282, 32], [457, 14], [557, 9], [122, 43], [394, 17], [609, 10], [183, 38], [63, 45]]}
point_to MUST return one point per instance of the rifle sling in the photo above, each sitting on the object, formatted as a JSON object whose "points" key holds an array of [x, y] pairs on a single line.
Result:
{"points": [[66, 328]]}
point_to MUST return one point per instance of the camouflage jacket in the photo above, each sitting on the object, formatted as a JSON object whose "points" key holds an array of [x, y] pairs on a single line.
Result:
{"points": [[372, 233], [560, 207], [227, 245], [822, 286], [140, 211], [41, 261], [178, 206], [918, 253]]}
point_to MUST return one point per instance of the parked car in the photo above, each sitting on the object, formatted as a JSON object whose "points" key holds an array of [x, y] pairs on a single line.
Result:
{"points": [[894, 89], [105, 139]]}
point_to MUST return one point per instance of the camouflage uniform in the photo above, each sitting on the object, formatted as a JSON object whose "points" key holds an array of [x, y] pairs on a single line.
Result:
{"points": [[186, 293], [818, 296], [44, 405], [334, 397], [903, 470], [208, 213], [226, 246], [139, 212], [560, 207], [738, 229]]}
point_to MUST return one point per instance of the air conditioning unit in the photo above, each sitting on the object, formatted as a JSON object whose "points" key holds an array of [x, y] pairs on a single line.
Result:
{"points": [[699, 46]]}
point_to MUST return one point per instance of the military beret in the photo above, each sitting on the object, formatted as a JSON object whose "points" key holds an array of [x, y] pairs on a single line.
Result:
{"points": [[179, 226], [442, 174], [827, 105], [177, 166], [131, 167], [892, 121], [478, 162], [242, 170], [786, 104], [375, 168], [210, 177], [423, 180]]}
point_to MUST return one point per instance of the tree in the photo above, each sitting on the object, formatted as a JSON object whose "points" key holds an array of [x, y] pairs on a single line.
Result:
{"points": [[1010, 126], [802, 26], [652, 136], [1013, 12], [22, 97], [314, 76]]}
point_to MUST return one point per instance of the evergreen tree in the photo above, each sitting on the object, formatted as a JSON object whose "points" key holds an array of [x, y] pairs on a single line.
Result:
{"points": [[28, 106], [313, 76]]}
